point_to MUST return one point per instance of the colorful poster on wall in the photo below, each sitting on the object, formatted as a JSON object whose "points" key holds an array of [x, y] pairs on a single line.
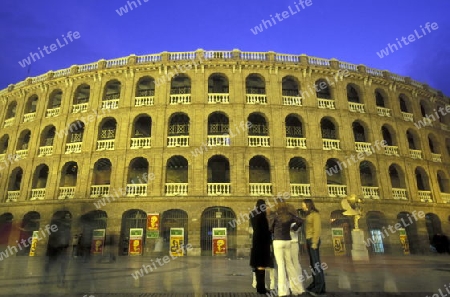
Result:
{"points": [[98, 241], [153, 225], [338, 241], [176, 242], [34, 242], [219, 241], [404, 240], [135, 244]]}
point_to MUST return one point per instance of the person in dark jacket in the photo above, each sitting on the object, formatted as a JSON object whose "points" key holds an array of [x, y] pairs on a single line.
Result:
{"points": [[260, 255], [280, 223]]}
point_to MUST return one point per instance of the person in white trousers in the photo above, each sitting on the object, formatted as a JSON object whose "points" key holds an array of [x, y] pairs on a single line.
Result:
{"points": [[294, 247], [280, 222]]}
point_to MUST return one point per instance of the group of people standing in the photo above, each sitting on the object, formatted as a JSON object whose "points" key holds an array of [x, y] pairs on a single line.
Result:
{"points": [[275, 235]]}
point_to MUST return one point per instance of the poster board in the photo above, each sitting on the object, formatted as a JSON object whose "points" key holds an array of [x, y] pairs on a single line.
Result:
{"points": [[338, 241], [219, 242], [176, 242], [135, 243]]}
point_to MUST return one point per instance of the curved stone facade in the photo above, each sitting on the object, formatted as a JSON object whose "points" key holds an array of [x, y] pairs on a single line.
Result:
{"points": [[197, 137]]}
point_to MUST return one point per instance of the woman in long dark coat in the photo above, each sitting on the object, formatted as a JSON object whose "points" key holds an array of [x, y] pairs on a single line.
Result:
{"points": [[260, 254]]}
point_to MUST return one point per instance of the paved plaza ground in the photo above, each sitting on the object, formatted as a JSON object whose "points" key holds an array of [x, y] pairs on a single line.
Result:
{"points": [[219, 276]]}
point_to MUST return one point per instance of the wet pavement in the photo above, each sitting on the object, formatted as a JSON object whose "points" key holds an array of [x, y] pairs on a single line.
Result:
{"points": [[218, 276]]}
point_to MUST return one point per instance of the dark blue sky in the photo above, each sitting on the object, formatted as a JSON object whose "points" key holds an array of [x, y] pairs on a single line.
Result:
{"points": [[350, 30]]}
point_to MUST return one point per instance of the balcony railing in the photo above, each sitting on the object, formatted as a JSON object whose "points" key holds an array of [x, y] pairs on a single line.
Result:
{"points": [[52, 112], [356, 107], [399, 194], [300, 190], [144, 101], [292, 100], [110, 104], [445, 197], [219, 189], [337, 190], [371, 192], [425, 196], [66, 193], [326, 103], [296, 142], [13, 196], [407, 116], [391, 151], [142, 142], [256, 98], [331, 144], [134, 190], [180, 98], [176, 189], [218, 140], [260, 189], [45, 151], [37, 194], [361, 147], [74, 147], [82, 107], [105, 144], [263, 141], [174, 141], [22, 154], [415, 154], [9, 122], [436, 157], [99, 190], [383, 111], [29, 117], [218, 98]]}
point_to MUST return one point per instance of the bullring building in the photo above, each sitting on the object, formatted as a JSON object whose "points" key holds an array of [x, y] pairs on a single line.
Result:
{"points": [[195, 138]]}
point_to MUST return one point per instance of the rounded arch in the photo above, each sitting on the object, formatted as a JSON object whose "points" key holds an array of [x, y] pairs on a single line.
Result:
{"points": [[367, 173], [11, 111], [389, 135], [294, 126], [412, 243], [82, 94], [142, 126], [133, 218], [359, 131], [334, 172], [413, 139], [443, 181], [177, 170], [31, 104], [218, 123], [434, 229], [422, 180], [178, 124], [381, 98], [180, 84], [255, 83], [107, 128], [397, 176], [112, 89], [24, 140], [91, 223], [145, 86], [54, 99], [425, 108], [69, 175], [48, 135], [173, 218], [218, 169], [59, 241], [259, 170], [339, 220], [376, 223], [214, 217], [353, 93], [433, 144], [405, 103], [290, 86], [329, 128], [30, 223], [298, 171], [260, 125], [4, 142], [40, 177], [218, 83], [323, 89], [15, 179], [138, 171], [102, 172]]}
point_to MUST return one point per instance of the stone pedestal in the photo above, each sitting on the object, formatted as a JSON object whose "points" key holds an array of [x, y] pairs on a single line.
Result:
{"points": [[359, 249]]}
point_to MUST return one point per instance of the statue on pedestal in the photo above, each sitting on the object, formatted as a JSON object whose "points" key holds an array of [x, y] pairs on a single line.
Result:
{"points": [[352, 207]]}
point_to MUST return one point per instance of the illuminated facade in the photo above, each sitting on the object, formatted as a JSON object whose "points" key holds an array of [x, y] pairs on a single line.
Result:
{"points": [[197, 137]]}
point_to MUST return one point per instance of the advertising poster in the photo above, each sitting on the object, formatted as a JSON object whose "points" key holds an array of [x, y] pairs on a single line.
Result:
{"points": [[176, 242], [219, 241], [98, 241], [338, 241], [135, 244], [153, 225], [404, 240], [34, 243]]}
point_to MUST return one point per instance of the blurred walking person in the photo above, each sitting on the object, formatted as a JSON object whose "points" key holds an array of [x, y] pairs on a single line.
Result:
{"points": [[280, 222], [260, 255], [313, 229]]}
